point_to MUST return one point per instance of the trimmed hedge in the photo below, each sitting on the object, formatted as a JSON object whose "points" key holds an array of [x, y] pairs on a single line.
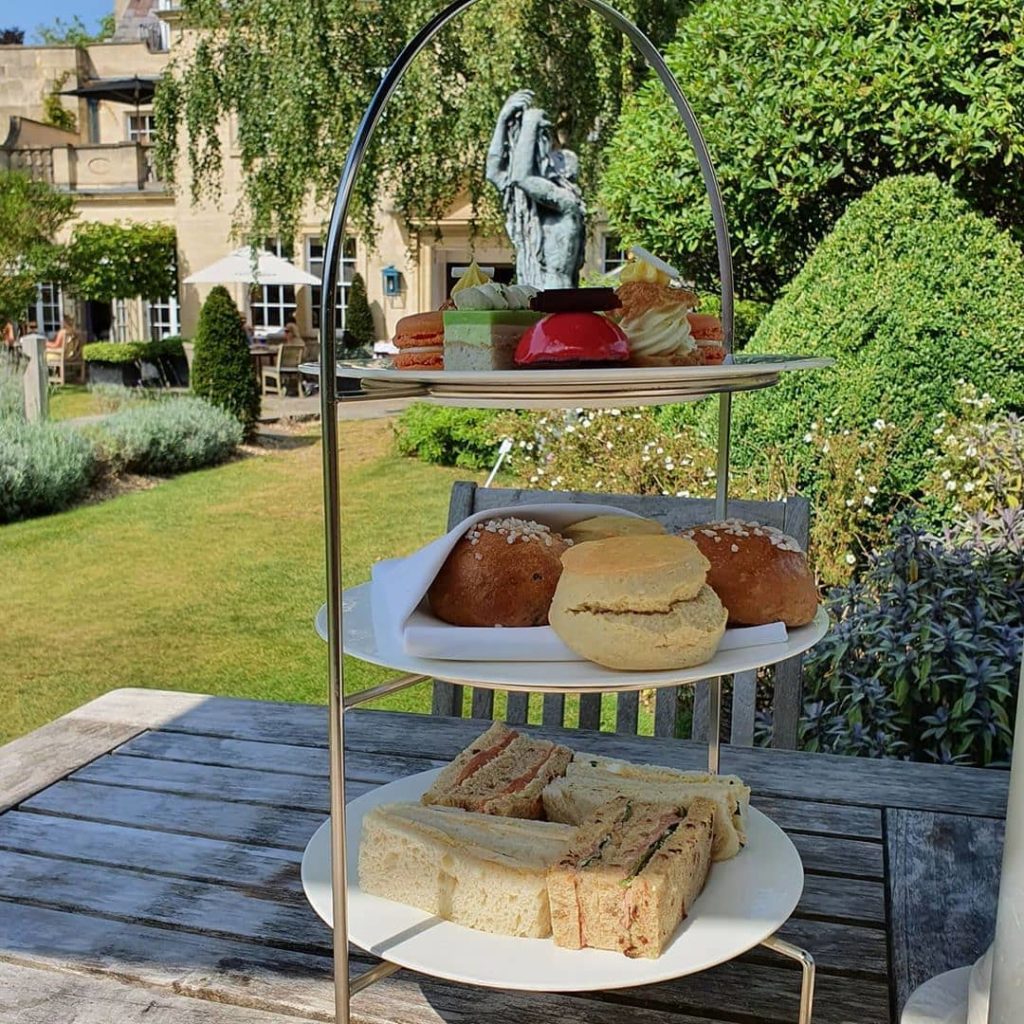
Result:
{"points": [[44, 467], [221, 366], [120, 352], [171, 436], [448, 437], [911, 293]]}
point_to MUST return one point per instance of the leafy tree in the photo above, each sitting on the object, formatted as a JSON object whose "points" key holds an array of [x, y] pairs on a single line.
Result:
{"points": [[911, 293], [807, 105], [12, 36], [221, 365], [120, 261], [358, 315], [296, 79], [75, 32], [31, 214]]}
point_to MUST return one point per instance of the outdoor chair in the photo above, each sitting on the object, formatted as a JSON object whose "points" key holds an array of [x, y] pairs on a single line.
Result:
{"points": [[275, 377], [66, 365], [790, 516]]}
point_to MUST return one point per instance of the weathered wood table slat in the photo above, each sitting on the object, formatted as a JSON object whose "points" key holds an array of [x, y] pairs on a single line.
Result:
{"points": [[149, 871]]}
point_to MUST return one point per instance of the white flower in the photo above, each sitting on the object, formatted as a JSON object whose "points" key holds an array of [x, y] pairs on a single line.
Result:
{"points": [[879, 424], [849, 502], [609, 445], [808, 438], [569, 428], [872, 489], [951, 485], [946, 474], [660, 451], [868, 500], [971, 450], [969, 486], [850, 560]]}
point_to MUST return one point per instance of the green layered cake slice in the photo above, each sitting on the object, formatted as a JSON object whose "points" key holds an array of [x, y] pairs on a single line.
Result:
{"points": [[484, 339]]}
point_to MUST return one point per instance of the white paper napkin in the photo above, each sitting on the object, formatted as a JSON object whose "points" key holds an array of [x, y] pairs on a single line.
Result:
{"points": [[402, 613]]}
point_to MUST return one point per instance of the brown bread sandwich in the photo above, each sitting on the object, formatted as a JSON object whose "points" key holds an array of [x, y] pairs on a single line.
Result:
{"points": [[503, 772], [630, 875]]}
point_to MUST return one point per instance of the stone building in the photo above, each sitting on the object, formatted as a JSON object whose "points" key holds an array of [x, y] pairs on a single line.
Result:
{"points": [[106, 163]]}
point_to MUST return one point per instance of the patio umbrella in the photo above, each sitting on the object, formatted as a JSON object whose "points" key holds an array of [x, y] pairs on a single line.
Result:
{"points": [[239, 267], [134, 90]]}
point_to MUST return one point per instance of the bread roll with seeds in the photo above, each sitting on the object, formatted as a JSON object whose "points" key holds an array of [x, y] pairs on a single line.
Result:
{"points": [[759, 572], [503, 572]]}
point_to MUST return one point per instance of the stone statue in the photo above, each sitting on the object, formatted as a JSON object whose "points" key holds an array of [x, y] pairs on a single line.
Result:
{"points": [[544, 211]]}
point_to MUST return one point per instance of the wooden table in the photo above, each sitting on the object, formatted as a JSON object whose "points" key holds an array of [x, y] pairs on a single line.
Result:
{"points": [[150, 845]]}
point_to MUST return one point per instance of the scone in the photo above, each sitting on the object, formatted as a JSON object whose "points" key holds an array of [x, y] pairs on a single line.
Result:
{"points": [[602, 527], [638, 603]]}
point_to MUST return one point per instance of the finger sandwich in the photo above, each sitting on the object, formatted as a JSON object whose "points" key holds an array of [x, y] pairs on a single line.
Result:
{"points": [[630, 875], [476, 870]]}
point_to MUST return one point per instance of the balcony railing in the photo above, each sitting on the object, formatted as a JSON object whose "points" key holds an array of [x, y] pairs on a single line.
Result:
{"points": [[113, 168]]}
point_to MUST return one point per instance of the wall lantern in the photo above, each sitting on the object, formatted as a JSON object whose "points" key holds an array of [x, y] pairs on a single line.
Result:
{"points": [[392, 280]]}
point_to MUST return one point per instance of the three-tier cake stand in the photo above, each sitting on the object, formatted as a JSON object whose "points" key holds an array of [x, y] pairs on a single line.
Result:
{"points": [[747, 899]]}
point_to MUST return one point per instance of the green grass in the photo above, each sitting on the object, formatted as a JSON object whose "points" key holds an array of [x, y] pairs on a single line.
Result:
{"points": [[71, 401], [208, 582]]}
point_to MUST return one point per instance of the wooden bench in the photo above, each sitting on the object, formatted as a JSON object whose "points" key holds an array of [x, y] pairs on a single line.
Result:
{"points": [[790, 515]]}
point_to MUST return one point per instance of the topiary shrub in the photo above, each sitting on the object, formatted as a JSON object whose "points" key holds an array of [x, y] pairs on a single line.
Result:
{"points": [[359, 329], [44, 467], [448, 437], [222, 369], [912, 293], [924, 656], [808, 104], [171, 436]]}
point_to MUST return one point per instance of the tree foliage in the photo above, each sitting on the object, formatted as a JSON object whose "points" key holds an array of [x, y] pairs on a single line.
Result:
{"points": [[296, 79], [221, 364], [808, 104], [121, 260], [75, 32], [358, 315], [911, 293], [31, 214], [54, 112], [12, 37]]}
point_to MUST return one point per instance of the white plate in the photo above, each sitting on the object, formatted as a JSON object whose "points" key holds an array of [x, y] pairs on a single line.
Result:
{"points": [[360, 641], [746, 366], [746, 899]]}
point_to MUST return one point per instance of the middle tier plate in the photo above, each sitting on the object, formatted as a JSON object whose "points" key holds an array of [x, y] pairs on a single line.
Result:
{"points": [[746, 899], [361, 641]]}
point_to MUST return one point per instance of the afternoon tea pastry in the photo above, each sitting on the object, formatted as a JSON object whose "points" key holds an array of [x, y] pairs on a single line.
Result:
{"points": [[501, 573], [483, 330], [760, 573], [420, 342]]}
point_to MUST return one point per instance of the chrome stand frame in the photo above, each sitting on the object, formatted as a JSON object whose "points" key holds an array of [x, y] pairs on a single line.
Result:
{"points": [[345, 986], [806, 961]]}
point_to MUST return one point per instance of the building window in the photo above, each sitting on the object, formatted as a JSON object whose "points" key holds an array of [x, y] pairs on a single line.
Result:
{"points": [[47, 311], [613, 256], [142, 128], [163, 317], [315, 265], [273, 305]]}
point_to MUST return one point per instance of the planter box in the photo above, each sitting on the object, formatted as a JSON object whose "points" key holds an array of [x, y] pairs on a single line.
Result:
{"points": [[124, 374]]}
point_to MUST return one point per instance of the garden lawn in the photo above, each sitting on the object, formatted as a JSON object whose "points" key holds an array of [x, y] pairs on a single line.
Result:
{"points": [[70, 401], [208, 582]]}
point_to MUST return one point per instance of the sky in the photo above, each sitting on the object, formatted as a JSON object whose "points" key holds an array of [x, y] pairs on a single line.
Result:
{"points": [[29, 14]]}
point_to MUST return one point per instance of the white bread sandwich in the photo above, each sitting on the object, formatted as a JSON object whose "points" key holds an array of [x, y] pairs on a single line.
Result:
{"points": [[476, 870], [630, 875], [503, 772], [591, 780]]}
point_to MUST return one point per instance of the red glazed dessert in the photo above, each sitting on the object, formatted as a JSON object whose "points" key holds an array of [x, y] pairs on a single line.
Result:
{"points": [[564, 340]]}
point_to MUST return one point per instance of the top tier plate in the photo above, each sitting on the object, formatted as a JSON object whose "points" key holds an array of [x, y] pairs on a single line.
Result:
{"points": [[584, 388]]}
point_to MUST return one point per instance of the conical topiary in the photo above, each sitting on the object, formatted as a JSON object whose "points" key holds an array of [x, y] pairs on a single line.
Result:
{"points": [[359, 328], [222, 370]]}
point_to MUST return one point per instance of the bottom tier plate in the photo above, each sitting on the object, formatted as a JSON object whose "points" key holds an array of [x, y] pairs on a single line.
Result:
{"points": [[745, 900]]}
